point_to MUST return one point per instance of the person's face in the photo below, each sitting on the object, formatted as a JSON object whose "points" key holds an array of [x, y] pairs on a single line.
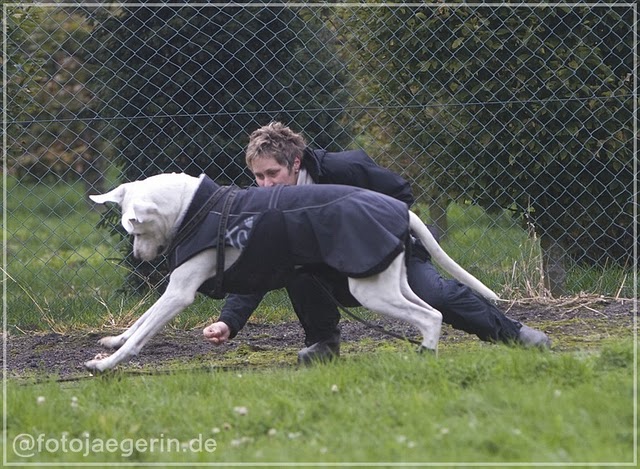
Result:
{"points": [[268, 172]]}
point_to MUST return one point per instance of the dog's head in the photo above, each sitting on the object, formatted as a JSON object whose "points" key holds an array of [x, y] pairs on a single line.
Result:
{"points": [[151, 209]]}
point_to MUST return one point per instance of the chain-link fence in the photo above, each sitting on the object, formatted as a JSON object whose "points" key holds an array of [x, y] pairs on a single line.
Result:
{"points": [[515, 123]]}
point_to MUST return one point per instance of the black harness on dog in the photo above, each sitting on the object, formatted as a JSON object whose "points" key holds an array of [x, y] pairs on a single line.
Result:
{"points": [[222, 229], [197, 216], [353, 231], [193, 220]]}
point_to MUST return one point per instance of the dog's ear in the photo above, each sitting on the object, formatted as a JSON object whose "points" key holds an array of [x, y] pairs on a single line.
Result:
{"points": [[139, 212], [116, 195]]}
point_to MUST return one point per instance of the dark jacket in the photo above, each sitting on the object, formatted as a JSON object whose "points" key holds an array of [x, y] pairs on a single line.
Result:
{"points": [[351, 168], [355, 168]]}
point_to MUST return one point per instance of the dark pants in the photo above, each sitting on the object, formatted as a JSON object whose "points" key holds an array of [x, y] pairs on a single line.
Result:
{"points": [[316, 310], [460, 306]]}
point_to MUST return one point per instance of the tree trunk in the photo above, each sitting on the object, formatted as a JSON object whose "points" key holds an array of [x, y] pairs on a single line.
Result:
{"points": [[554, 271], [438, 214]]}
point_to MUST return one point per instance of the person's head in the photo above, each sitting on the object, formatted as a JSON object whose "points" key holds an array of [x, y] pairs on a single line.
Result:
{"points": [[274, 155]]}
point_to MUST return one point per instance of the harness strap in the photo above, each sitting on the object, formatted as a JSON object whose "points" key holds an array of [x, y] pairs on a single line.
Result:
{"points": [[198, 217], [222, 230]]}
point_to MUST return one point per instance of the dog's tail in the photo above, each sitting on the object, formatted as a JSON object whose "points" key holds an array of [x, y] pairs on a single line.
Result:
{"points": [[443, 259]]}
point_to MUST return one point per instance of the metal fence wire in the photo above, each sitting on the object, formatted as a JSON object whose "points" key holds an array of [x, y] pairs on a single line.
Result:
{"points": [[515, 123]]}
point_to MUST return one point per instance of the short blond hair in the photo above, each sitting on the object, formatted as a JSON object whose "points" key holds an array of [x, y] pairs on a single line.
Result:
{"points": [[276, 141]]}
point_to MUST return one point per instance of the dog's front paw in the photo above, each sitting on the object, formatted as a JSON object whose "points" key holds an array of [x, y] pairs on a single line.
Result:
{"points": [[112, 342], [94, 365], [98, 364]]}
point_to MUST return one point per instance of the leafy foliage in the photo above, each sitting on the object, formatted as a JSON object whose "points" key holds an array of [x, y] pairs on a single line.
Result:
{"points": [[529, 109], [184, 86], [20, 63], [48, 105]]}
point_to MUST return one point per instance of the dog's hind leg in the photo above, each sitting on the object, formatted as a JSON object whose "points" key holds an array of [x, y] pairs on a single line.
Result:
{"points": [[388, 293]]}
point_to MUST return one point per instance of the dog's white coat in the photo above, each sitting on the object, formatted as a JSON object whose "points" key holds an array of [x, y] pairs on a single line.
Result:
{"points": [[153, 208]]}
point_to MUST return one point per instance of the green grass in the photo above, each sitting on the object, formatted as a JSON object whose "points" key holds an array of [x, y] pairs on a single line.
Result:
{"points": [[63, 271], [479, 405]]}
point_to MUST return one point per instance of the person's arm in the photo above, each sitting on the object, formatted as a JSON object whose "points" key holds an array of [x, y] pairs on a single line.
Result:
{"points": [[356, 168], [235, 313]]}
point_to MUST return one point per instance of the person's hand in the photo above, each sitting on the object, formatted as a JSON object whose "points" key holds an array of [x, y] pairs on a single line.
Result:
{"points": [[217, 333]]}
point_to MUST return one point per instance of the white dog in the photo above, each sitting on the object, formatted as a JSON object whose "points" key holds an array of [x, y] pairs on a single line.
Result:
{"points": [[165, 213]]}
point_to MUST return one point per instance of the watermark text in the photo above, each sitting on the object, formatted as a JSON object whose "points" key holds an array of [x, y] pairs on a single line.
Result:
{"points": [[26, 445]]}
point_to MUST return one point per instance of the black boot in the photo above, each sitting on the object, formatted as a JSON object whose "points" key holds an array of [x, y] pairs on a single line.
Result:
{"points": [[322, 351], [530, 337]]}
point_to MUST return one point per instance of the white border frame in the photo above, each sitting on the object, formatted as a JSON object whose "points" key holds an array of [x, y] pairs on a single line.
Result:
{"points": [[634, 6]]}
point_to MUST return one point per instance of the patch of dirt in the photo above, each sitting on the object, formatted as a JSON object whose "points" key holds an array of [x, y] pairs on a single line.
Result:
{"points": [[571, 324]]}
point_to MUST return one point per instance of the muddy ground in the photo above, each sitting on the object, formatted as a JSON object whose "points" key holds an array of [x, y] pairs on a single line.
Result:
{"points": [[576, 323]]}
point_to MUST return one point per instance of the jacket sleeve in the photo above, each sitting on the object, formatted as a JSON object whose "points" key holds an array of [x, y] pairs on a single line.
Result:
{"points": [[356, 168], [237, 309]]}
